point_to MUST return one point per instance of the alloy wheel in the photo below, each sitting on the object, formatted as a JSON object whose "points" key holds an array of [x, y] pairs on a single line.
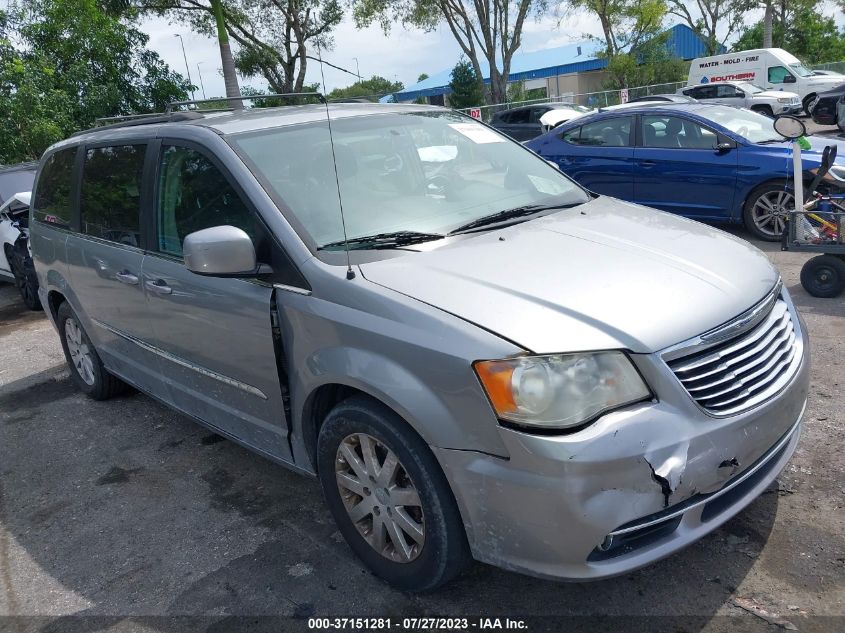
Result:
{"points": [[380, 498], [771, 211], [80, 351]]}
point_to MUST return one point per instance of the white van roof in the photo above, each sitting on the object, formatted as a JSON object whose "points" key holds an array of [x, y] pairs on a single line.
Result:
{"points": [[785, 56]]}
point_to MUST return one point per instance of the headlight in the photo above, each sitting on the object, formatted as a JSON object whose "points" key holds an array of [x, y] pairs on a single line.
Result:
{"points": [[560, 391], [787, 100]]}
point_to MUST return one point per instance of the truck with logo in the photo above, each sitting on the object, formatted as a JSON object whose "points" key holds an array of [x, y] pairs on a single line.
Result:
{"points": [[768, 68]]}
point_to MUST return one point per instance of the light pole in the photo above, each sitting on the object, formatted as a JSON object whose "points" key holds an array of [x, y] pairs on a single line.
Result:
{"points": [[202, 85], [187, 68], [357, 70]]}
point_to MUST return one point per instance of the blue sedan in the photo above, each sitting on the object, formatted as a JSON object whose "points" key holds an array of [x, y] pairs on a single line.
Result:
{"points": [[704, 161]]}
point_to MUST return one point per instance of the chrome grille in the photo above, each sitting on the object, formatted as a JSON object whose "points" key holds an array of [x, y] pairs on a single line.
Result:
{"points": [[745, 370]]}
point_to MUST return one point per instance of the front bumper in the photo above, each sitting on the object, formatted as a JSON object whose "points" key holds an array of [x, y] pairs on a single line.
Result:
{"points": [[634, 487]]}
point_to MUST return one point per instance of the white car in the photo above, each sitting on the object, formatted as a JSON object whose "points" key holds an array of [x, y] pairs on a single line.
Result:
{"points": [[16, 255], [561, 114], [742, 94]]}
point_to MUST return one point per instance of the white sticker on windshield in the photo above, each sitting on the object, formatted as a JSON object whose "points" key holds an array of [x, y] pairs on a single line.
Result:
{"points": [[477, 133]]}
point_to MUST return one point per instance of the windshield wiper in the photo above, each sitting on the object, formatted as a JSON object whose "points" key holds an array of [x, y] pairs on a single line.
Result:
{"points": [[509, 214], [769, 141], [385, 240]]}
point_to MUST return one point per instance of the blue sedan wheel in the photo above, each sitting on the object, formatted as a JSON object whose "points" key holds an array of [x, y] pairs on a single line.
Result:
{"points": [[767, 211]]}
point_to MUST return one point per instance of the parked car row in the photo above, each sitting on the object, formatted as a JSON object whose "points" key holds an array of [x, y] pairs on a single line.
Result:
{"points": [[527, 122], [475, 354]]}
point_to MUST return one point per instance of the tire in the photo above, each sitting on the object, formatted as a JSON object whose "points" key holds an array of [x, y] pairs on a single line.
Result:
{"points": [[771, 197], [806, 103], [824, 276], [440, 550], [25, 279], [86, 368], [764, 110]]}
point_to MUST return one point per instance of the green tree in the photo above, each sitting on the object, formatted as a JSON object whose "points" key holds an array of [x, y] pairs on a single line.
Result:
{"points": [[488, 29], [648, 64], [800, 28], [422, 77], [465, 86], [273, 36], [65, 63], [371, 88], [625, 24], [714, 20]]}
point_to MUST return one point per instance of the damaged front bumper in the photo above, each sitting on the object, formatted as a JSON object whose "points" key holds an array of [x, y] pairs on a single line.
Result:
{"points": [[637, 485]]}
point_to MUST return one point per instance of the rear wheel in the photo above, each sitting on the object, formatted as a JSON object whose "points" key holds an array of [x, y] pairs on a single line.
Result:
{"points": [[86, 368], [767, 211], [25, 279], [389, 496], [824, 276]]}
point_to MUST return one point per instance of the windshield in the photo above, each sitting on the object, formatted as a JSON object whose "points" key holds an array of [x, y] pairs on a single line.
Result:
{"points": [[751, 126], [800, 70], [750, 88], [427, 172]]}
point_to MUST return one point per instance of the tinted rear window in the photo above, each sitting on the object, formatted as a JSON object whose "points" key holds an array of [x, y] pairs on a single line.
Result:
{"points": [[110, 198], [12, 182], [52, 195]]}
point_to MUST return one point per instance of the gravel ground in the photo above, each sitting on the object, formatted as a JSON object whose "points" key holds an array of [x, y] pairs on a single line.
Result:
{"points": [[124, 515]]}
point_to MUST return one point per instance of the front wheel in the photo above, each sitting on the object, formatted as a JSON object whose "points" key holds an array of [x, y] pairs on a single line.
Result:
{"points": [[806, 103], [824, 276], [767, 211], [389, 496], [764, 110]]}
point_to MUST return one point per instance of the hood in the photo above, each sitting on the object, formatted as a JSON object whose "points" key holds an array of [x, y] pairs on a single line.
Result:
{"points": [[605, 275], [821, 83], [776, 94]]}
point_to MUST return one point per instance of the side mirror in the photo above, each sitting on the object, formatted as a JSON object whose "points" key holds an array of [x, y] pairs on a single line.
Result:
{"points": [[220, 251], [790, 127], [723, 147], [789, 79]]}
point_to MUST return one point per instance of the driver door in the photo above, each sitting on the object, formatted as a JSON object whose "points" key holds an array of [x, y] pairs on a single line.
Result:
{"points": [[214, 335]]}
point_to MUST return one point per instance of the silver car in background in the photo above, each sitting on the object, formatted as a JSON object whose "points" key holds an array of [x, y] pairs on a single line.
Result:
{"points": [[484, 360]]}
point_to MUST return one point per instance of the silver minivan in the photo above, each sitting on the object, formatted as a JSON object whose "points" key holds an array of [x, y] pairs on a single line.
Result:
{"points": [[477, 357]]}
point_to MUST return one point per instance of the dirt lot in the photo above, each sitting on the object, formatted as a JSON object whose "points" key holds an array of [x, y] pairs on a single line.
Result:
{"points": [[124, 514]]}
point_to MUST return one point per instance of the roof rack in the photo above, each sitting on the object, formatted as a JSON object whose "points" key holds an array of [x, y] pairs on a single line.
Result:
{"points": [[171, 116], [109, 123], [223, 100]]}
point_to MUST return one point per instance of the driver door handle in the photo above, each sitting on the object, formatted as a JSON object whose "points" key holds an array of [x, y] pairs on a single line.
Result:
{"points": [[158, 286], [125, 277]]}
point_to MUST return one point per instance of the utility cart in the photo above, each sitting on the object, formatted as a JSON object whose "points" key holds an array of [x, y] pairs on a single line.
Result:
{"points": [[819, 227]]}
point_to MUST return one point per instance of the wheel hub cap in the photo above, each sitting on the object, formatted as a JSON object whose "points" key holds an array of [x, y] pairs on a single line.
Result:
{"points": [[771, 211], [80, 352], [381, 500]]}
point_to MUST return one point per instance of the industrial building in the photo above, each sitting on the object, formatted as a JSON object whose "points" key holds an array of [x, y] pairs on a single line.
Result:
{"points": [[564, 71]]}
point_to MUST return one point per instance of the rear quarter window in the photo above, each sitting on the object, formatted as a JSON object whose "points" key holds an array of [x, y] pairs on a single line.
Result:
{"points": [[52, 203]]}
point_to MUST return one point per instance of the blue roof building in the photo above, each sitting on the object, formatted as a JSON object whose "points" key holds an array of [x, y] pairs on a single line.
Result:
{"points": [[564, 70]]}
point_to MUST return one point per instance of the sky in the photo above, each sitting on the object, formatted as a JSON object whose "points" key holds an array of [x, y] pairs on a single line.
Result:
{"points": [[399, 56]]}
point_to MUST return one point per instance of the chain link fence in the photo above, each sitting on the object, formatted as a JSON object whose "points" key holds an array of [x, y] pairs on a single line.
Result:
{"points": [[598, 99], [837, 67]]}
